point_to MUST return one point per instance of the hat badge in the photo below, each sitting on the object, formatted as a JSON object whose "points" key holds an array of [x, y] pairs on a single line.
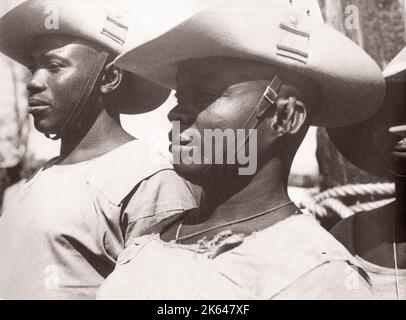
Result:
{"points": [[116, 25], [294, 41]]}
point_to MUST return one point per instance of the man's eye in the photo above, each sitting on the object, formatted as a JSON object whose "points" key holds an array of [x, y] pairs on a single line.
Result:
{"points": [[51, 66], [54, 66], [200, 98]]}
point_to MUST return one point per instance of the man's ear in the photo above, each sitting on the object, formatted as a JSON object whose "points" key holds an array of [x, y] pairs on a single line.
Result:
{"points": [[112, 79], [289, 117]]}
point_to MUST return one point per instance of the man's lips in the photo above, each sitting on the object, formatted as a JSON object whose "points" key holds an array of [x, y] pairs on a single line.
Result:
{"points": [[37, 109], [35, 102], [399, 150], [37, 105], [180, 139], [179, 142]]}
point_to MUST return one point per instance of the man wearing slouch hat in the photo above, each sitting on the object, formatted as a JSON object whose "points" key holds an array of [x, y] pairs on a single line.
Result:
{"points": [[271, 68], [62, 234]]}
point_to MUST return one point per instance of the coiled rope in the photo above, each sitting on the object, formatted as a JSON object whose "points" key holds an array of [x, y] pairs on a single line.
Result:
{"points": [[331, 201]]}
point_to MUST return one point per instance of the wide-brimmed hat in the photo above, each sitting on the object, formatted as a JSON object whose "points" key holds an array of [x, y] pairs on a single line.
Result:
{"points": [[288, 34], [101, 22], [396, 69], [356, 142]]}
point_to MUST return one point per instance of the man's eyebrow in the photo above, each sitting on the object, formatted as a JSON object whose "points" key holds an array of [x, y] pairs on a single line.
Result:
{"points": [[202, 83], [48, 56]]}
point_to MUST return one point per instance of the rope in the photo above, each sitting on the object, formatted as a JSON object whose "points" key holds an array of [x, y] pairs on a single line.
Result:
{"points": [[379, 189], [339, 207], [308, 202], [371, 205], [331, 202]]}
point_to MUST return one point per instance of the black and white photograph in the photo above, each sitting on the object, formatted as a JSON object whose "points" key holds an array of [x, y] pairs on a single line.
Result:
{"points": [[201, 151]]}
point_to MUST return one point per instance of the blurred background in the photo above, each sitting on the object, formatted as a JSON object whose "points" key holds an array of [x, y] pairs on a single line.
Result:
{"points": [[376, 25]]}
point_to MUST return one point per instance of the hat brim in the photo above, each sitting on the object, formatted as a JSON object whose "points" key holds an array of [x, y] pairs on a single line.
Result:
{"points": [[352, 86], [143, 96], [396, 69], [21, 27], [356, 144]]}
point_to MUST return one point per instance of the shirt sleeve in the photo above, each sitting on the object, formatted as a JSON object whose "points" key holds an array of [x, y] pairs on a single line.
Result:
{"points": [[337, 280], [156, 202]]}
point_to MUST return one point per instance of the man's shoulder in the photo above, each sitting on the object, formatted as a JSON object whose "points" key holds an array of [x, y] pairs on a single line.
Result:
{"points": [[303, 234], [293, 258], [166, 187], [117, 174], [337, 280], [158, 201], [320, 262], [134, 155], [309, 244]]}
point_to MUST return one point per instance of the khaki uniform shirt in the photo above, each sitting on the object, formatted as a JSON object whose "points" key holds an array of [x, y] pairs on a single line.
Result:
{"points": [[62, 234], [293, 259]]}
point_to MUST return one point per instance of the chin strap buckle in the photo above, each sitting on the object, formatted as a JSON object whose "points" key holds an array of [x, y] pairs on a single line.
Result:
{"points": [[270, 95], [272, 91]]}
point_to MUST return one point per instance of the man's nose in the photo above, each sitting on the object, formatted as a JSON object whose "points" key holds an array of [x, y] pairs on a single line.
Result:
{"points": [[36, 83], [181, 114]]}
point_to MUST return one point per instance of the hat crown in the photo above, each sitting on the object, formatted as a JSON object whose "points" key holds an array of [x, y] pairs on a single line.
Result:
{"points": [[104, 22], [117, 21], [302, 14], [287, 34]]}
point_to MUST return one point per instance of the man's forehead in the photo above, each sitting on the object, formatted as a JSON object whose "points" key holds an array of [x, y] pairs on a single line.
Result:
{"points": [[61, 45], [224, 71]]}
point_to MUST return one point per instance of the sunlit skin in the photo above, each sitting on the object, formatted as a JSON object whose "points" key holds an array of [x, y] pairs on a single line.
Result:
{"points": [[374, 232], [221, 93], [60, 68]]}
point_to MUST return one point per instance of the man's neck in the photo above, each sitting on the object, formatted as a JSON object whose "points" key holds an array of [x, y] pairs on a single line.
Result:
{"points": [[267, 189], [105, 135], [263, 193]]}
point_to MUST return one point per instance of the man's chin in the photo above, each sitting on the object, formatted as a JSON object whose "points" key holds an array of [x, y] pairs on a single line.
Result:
{"points": [[205, 174], [43, 128]]}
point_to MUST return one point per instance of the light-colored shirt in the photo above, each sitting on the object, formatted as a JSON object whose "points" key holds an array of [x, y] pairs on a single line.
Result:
{"points": [[383, 280], [293, 259], [62, 234]]}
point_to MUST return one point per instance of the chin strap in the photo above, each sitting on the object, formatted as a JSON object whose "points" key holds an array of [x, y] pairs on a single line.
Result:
{"points": [[74, 119], [269, 99]]}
